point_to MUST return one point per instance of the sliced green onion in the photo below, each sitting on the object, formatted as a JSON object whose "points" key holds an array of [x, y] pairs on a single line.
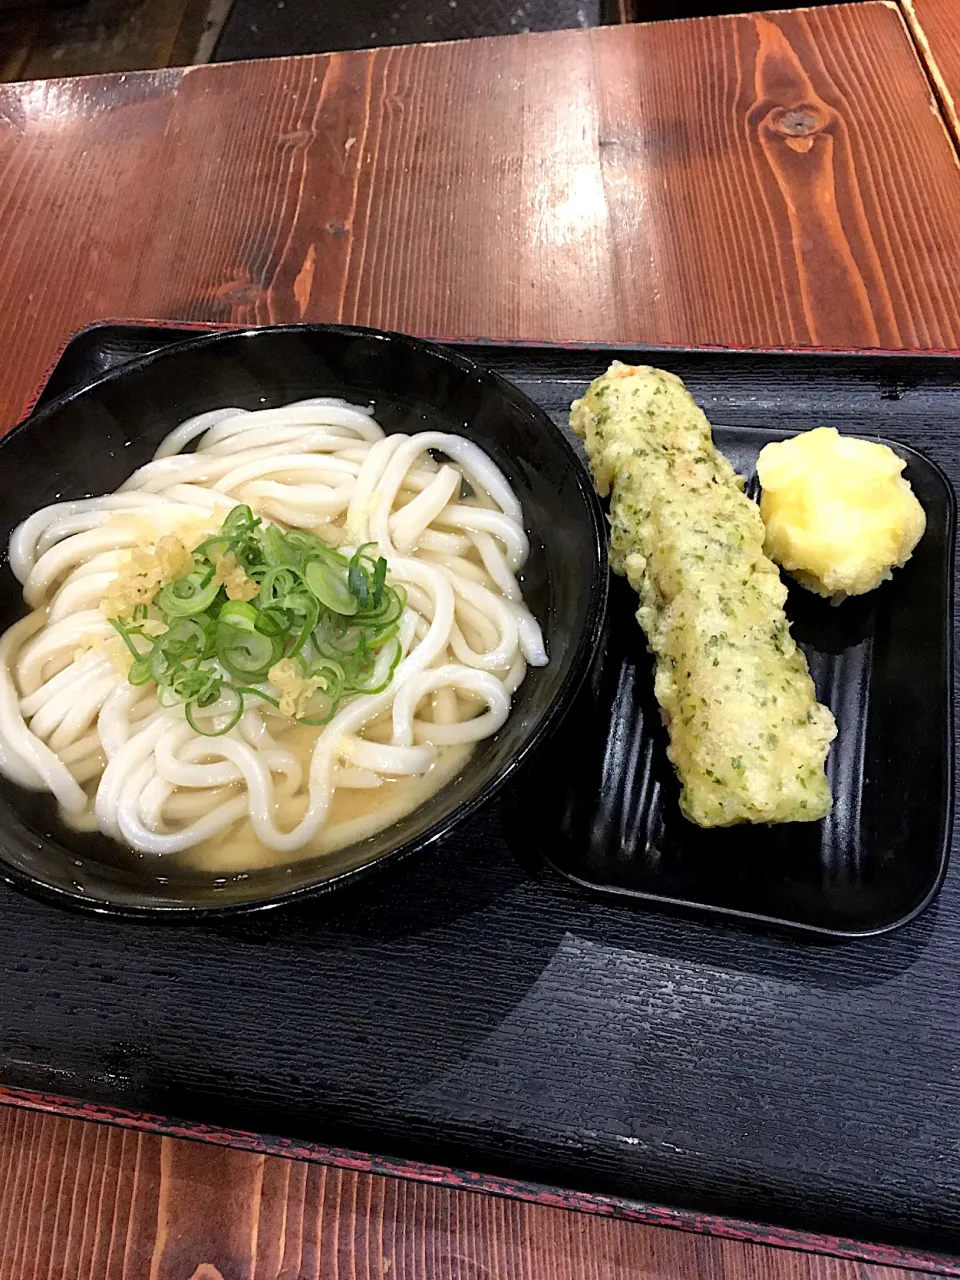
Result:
{"points": [[140, 672], [247, 655], [330, 588], [213, 548], [379, 688], [309, 610], [273, 621], [332, 674], [188, 595], [234, 697], [239, 614], [277, 583], [253, 692], [125, 636], [391, 606], [240, 519], [277, 553]]}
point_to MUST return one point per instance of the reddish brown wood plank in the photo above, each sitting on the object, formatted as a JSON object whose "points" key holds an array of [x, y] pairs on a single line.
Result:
{"points": [[786, 210], [613, 184], [76, 160], [936, 28], [756, 179], [87, 1202]]}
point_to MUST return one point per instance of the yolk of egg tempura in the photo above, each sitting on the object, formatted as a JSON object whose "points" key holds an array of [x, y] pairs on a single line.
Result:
{"points": [[839, 515]]}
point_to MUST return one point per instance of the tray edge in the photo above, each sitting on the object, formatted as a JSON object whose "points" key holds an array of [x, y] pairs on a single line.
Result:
{"points": [[198, 327]]}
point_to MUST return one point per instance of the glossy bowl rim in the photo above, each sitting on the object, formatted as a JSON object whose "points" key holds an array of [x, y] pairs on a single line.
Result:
{"points": [[579, 668]]}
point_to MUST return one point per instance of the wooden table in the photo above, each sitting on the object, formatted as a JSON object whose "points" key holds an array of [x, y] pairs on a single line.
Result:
{"points": [[771, 179]]}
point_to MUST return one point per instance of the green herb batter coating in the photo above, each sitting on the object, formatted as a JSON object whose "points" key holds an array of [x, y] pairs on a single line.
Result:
{"points": [[747, 735]]}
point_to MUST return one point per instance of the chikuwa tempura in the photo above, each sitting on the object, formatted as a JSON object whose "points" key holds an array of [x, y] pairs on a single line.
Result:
{"points": [[279, 636], [747, 735]]}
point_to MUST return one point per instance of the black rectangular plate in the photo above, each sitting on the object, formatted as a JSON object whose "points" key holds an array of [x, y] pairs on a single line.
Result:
{"points": [[882, 663], [478, 1010]]}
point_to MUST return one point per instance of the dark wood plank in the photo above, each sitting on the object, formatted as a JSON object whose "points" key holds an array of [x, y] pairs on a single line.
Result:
{"points": [[758, 179], [87, 1201], [258, 30], [936, 28], [18, 32], [104, 35], [25, 6]]}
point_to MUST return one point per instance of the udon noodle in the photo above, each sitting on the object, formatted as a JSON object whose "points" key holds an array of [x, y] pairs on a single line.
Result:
{"points": [[119, 758]]}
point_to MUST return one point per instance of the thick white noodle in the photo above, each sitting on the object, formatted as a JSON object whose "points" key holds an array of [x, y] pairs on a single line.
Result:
{"points": [[436, 507]]}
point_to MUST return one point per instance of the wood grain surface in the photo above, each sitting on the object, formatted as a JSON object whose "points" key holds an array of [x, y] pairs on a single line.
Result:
{"points": [[85, 1202], [935, 25], [778, 179]]}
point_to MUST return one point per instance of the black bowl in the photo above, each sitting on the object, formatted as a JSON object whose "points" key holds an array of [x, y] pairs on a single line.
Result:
{"points": [[90, 441]]}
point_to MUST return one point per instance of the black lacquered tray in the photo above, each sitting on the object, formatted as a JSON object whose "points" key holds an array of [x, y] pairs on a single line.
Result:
{"points": [[479, 1010], [608, 815]]}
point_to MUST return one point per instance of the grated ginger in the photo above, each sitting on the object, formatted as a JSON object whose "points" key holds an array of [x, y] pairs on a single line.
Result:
{"points": [[294, 690], [153, 627], [143, 574], [233, 579]]}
